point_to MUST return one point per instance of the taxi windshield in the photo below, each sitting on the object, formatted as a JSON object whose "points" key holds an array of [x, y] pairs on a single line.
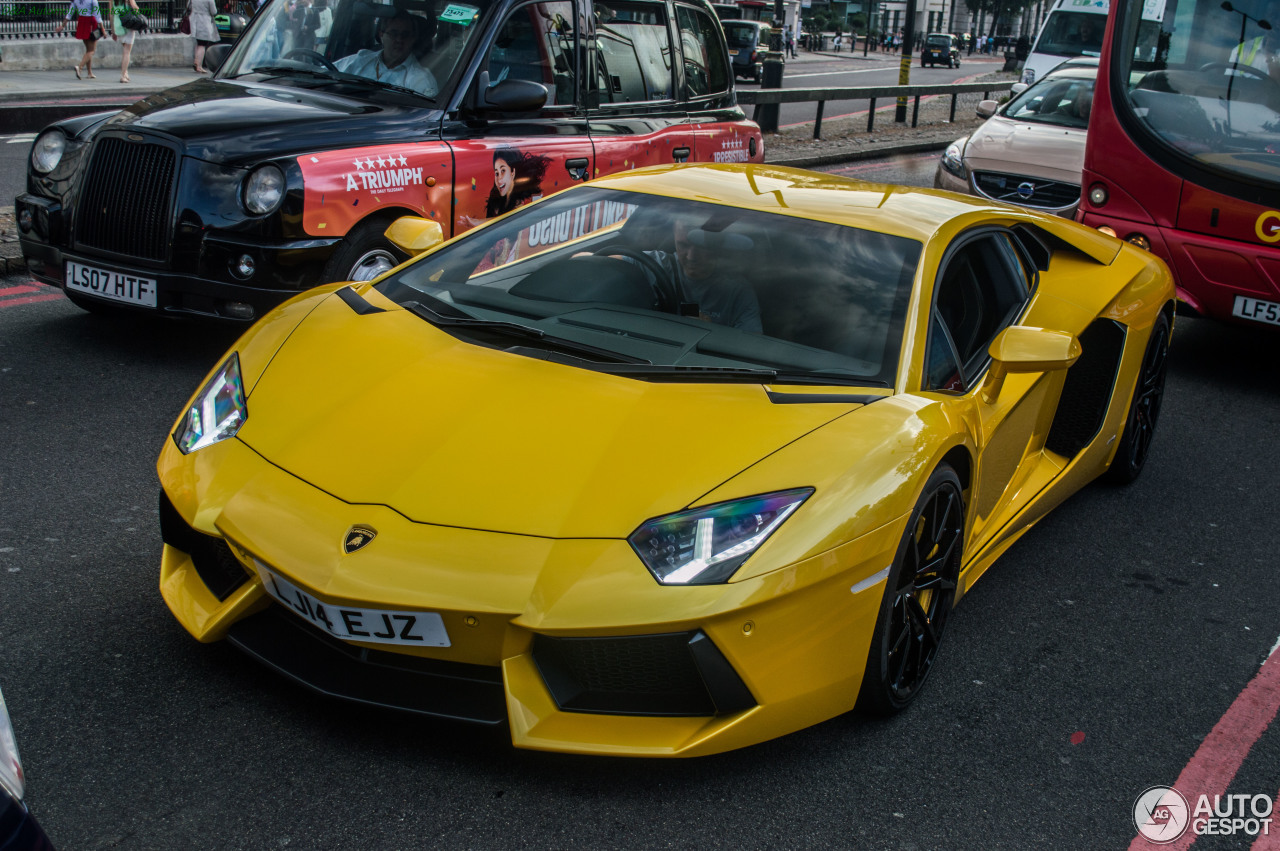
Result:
{"points": [[669, 289], [411, 48]]}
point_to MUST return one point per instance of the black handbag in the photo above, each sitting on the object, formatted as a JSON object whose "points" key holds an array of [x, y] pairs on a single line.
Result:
{"points": [[133, 21], [96, 34]]}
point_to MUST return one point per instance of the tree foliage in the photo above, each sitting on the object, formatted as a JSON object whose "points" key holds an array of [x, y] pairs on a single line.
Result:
{"points": [[997, 11]]}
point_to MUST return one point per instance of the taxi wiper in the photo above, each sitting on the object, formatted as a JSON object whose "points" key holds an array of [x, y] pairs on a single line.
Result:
{"points": [[500, 334], [291, 70], [377, 84]]}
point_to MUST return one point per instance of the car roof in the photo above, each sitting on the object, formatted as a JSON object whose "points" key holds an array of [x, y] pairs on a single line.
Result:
{"points": [[905, 211]]}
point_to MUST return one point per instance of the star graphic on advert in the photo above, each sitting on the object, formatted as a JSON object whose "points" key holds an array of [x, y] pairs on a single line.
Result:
{"points": [[368, 162], [360, 165], [382, 163], [403, 161]]}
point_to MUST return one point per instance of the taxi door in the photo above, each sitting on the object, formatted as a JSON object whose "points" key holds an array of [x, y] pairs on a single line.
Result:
{"points": [[637, 115], [505, 160]]}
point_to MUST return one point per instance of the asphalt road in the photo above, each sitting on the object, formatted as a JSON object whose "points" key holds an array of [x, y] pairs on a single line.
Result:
{"points": [[1090, 663]]}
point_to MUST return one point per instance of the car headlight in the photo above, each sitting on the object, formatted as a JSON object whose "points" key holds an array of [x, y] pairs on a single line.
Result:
{"points": [[953, 158], [10, 765], [1029, 76], [705, 546], [217, 412], [47, 152], [264, 189]]}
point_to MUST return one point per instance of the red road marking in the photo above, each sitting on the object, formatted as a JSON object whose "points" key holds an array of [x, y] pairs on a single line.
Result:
{"points": [[19, 290], [31, 299], [1269, 841], [1222, 752], [1077, 737]]}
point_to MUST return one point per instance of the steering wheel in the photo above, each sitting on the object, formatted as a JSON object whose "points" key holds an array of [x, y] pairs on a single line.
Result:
{"points": [[313, 57], [1245, 70], [664, 285]]}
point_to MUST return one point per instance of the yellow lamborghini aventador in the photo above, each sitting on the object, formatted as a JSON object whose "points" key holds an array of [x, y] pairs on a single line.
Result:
{"points": [[665, 464]]}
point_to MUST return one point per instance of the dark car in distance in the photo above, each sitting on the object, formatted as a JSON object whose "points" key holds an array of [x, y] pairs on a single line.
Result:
{"points": [[940, 48], [748, 41]]}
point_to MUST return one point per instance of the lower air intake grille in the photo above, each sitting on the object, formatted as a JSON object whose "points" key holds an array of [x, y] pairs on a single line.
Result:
{"points": [[671, 674], [216, 565], [125, 204]]}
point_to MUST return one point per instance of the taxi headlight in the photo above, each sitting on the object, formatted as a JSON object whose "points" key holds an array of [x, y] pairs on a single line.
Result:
{"points": [[953, 158], [264, 189], [217, 412], [705, 546], [47, 151]]}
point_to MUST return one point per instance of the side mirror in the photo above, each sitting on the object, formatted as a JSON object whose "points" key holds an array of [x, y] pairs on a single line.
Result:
{"points": [[1017, 89], [514, 96], [414, 235], [1020, 348], [987, 108], [215, 56]]}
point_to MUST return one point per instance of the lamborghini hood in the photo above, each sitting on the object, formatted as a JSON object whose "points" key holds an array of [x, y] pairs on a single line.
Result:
{"points": [[386, 409]]}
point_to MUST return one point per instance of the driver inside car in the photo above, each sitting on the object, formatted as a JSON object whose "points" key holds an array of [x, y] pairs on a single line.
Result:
{"points": [[395, 63]]}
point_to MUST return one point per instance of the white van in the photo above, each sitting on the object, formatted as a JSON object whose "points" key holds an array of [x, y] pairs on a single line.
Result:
{"points": [[1075, 28]]}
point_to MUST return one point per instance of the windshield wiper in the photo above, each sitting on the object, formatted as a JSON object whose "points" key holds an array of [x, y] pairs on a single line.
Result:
{"points": [[738, 374], [282, 70], [377, 84], [504, 332]]}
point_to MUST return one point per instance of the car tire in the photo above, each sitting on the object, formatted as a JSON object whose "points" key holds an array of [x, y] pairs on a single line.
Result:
{"points": [[1144, 408], [919, 594], [364, 254]]}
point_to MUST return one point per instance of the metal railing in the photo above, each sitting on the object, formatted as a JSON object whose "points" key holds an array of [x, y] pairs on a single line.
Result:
{"points": [[40, 18], [868, 93]]}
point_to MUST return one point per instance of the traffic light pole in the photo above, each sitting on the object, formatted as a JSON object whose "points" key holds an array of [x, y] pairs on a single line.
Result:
{"points": [[904, 64], [767, 114]]}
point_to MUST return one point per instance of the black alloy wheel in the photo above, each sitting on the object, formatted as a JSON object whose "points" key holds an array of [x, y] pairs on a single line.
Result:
{"points": [[1144, 410], [920, 592]]}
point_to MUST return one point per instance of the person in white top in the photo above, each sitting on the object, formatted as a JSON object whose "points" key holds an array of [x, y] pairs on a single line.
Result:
{"points": [[394, 63]]}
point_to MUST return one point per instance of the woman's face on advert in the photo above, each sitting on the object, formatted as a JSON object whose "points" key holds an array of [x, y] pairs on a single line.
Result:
{"points": [[503, 177]]}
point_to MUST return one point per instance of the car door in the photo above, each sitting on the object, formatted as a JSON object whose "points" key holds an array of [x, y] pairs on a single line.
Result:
{"points": [[504, 160], [982, 288], [636, 114], [721, 133]]}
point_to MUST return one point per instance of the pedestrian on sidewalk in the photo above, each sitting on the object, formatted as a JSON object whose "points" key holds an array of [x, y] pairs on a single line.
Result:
{"points": [[124, 35], [88, 29], [203, 30], [790, 44]]}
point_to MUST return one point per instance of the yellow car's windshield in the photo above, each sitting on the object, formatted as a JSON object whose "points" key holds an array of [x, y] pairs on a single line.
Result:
{"points": [[680, 286]]}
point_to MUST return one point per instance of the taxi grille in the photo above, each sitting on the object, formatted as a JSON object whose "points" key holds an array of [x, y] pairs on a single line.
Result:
{"points": [[676, 674], [126, 199], [1026, 191]]}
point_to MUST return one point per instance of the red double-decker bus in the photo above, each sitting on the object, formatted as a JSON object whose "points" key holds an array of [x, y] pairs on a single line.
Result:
{"points": [[1183, 153]]}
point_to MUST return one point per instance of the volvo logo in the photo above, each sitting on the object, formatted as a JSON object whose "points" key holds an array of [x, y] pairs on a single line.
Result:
{"points": [[1026, 190], [357, 538]]}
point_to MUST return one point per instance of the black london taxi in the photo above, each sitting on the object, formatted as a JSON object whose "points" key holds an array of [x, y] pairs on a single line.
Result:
{"points": [[329, 119], [940, 48]]}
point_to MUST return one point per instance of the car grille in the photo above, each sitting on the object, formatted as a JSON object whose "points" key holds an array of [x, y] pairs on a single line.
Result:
{"points": [[126, 199], [440, 688], [674, 674], [1026, 191], [219, 569]]}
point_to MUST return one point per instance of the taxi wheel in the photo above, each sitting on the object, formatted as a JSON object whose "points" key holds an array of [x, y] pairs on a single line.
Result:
{"points": [[364, 255], [918, 597], [1144, 410]]}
